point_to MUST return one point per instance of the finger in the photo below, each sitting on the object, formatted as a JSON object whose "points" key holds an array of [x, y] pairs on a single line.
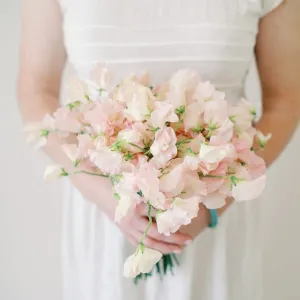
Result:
{"points": [[162, 247], [178, 238], [142, 210]]}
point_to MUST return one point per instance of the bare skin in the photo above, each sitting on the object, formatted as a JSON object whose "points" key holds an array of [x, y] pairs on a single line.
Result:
{"points": [[42, 62]]}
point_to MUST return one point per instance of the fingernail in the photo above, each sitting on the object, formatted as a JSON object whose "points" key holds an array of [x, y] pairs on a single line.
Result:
{"points": [[187, 242], [177, 251]]}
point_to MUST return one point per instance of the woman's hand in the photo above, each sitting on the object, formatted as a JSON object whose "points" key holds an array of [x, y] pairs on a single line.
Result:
{"points": [[134, 227], [99, 191], [203, 220]]}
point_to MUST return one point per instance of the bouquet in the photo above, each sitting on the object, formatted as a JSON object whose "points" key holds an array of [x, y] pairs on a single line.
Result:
{"points": [[170, 146]]}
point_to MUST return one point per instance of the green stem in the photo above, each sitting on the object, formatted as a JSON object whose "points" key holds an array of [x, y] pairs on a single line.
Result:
{"points": [[213, 176], [136, 146], [149, 224], [90, 173]]}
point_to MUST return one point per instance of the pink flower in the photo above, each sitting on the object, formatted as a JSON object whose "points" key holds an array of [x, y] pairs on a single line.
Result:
{"points": [[164, 146], [163, 113], [104, 115], [225, 131], [67, 120], [214, 200], [127, 192], [138, 100], [214, 184], [193, 117], [194, 186], [249, 189], [86, 143], [247, 136], [148, 182], [132, 140], [215, 112], [181, 87], [181, 213], [212, 154], [242, 115], [173, 182], [109, 162], [204, 92], [255, 164]]}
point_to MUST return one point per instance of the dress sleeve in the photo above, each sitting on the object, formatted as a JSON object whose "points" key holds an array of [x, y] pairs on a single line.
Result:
{"points": [[269, 5]]}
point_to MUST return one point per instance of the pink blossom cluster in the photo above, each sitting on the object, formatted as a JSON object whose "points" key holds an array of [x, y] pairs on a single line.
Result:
{"points": [[171, 146]]}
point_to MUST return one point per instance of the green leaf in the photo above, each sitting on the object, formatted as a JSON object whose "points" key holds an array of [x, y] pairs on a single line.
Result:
{"points": [[117, 196]]}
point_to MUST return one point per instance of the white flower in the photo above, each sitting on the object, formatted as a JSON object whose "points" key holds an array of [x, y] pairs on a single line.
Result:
{"points": [[54, 172], [263, 139], [142, 261], [181, 213], [35, 135], [182, 87]]}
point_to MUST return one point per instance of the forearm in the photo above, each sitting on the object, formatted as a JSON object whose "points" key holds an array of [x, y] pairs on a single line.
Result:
{"points": [[281, 123], [33, 109]]}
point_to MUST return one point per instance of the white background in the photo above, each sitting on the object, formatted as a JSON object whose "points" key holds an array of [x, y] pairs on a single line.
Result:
{"points": [[30, 210]]}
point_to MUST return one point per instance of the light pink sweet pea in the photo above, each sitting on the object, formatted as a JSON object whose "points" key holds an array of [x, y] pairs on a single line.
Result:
{"points": [[242, 115], [214, 184], [215, 112], [225, 131], [76, 90], [138, 100], [126, 190], [204, 92], [255, 164], [249, 189], [109, 162], [173, 182], [193, 117], [194, 186], [67, 120], [164, 146], [148, 182], [104, 115], [181, 213], [163, 112], [182, 87], [86, 143], [101, 77], [132, 140], [212, 154], [214, 200]]}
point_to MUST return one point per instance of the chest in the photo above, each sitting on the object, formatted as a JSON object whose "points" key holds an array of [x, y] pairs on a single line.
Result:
{"points": [[216, 37]]}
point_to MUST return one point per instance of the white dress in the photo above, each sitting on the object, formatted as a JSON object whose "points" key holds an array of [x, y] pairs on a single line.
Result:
{"points": [[216, 38]]}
